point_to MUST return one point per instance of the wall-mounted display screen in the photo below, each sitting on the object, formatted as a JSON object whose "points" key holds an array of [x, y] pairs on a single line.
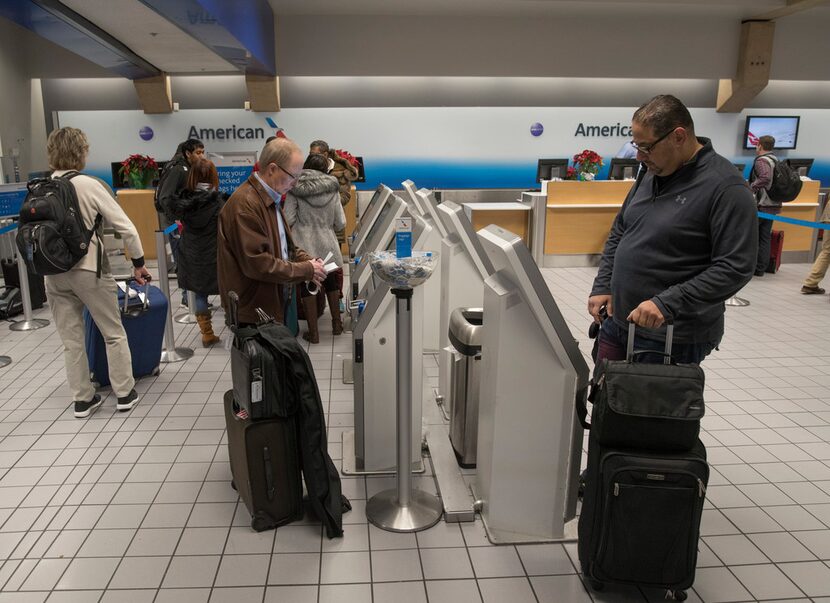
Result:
{"points": [[783, 129]]}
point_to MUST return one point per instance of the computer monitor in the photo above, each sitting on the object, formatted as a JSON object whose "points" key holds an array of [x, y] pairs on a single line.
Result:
{"points": [[623, 168], [548, 169], [361, 172], [801, 166], [784, 128]]}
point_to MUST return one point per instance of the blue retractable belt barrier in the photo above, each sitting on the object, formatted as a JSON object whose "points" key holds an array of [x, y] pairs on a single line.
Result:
{"points": [[797, 222], [171, 228], [8, 228]]}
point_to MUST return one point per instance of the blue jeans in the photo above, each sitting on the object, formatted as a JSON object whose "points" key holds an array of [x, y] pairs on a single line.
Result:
{"points": [[201, 303], [613, 340]]}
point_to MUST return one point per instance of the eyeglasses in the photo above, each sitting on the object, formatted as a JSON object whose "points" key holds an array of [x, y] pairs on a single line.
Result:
{"points": [[292, 176], [645, 149]]}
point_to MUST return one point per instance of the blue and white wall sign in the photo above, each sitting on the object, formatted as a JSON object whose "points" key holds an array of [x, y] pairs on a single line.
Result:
{"points": [[537, 129], [437, 147]]}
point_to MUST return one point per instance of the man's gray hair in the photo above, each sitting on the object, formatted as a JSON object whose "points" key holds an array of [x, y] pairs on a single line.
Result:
{"points": [[278, 151], [664, 113]]}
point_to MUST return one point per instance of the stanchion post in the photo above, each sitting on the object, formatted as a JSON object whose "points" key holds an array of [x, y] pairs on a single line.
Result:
{"points": [[170, 353], [736, 302], [190, 316], [28, 323]]}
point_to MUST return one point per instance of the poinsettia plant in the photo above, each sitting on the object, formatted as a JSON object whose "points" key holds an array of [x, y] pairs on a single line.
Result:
{"points": [[587, 164], [348, 157], [138, 171], [571, 173]]}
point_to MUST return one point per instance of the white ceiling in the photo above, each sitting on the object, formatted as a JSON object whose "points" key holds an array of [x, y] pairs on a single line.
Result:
{"points": [[151, 36]]}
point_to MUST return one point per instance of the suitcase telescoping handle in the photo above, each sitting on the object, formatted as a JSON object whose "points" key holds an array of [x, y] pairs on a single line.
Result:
{"points": [[145, 303], [629, 352], [233, 309]]}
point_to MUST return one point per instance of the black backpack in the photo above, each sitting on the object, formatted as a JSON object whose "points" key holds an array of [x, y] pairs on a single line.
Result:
{"points": [[786, 183], [51, 234]]}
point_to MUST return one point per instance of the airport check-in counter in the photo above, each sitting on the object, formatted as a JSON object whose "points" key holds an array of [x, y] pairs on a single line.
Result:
{"points": [[532, 372], [579, 216], [373, 440]]}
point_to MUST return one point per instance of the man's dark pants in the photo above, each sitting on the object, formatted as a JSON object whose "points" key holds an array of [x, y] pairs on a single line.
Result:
{"points": [[764, 239]]}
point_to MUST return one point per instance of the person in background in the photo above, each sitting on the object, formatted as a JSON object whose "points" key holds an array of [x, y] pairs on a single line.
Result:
{"points": [[198, 206], [341, 169], [627, 151], [172, 182], [760, 179], [80, 287], [255, 253], [314, 213], [683, 242], [822, 261]]}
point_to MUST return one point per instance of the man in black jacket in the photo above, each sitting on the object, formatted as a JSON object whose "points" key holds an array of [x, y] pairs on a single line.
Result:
{"points": [[684, 241]]}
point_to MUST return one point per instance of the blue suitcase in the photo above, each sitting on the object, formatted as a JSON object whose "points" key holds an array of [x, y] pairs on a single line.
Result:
{"points": [[144, 325]]}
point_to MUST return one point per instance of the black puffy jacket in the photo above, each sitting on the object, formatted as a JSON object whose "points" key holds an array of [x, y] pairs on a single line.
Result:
{"points": [[196, 258]]}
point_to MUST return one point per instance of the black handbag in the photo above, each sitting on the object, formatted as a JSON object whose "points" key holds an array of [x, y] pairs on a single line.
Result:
{"points": [[646, 406]]}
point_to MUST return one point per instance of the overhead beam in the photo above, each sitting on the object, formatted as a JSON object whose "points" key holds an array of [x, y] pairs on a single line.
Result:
{"points": [[752, 74], [154, 94], [793, 6], [263, 92], [59, 24]]}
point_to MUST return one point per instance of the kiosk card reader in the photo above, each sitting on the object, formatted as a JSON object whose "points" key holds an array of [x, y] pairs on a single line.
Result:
{"points": [[367, 220], [532, 372], [464, 266], [373, 347]]}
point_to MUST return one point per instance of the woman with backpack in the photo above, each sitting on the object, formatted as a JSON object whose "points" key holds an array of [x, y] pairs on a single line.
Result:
{"points": [[314, 213], [198, 206]]}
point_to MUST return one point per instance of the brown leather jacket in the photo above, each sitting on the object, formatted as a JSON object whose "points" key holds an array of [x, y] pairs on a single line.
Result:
{"points": [[248, 254]]}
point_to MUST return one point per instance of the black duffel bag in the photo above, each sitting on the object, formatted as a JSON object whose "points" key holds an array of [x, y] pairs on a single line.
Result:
{"points": [[646, 406]]}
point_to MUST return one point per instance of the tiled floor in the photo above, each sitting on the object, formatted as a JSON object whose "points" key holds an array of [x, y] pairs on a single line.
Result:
{"points": [[137, 507]]}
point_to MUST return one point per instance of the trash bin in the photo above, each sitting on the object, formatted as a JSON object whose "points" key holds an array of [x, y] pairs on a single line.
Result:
{"points": [[465, 333]]}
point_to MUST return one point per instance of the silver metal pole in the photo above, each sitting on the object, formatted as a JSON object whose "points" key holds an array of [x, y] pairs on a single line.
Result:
{"points": [[170, 353], [190, 316], [403, 378], [28, 323], [404, 509]]}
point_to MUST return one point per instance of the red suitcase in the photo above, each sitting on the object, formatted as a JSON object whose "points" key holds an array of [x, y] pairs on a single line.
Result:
{"points": [[776, 247]]}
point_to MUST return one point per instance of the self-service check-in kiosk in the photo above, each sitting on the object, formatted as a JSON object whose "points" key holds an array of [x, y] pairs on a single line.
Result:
{"points": [[377, 237], [409, 190], [367, 219], [373, 366], [529, 441], [464, 266]]}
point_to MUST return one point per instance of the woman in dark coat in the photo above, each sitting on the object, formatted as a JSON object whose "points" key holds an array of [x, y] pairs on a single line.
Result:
{"points": [[198, 209]]}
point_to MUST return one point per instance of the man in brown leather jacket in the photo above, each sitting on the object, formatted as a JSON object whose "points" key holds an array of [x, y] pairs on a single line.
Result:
{"points": [[256, 256]]}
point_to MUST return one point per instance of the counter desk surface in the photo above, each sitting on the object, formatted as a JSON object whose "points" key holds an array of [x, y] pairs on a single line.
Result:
{"points": [[139, 206]]}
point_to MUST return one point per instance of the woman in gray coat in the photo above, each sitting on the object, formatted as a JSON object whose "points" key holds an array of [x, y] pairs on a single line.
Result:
{"points": [[314, 213]]}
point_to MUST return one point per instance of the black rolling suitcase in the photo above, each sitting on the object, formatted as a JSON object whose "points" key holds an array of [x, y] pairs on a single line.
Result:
{"points": [[265, 466], [640, 518], [647, 475]]}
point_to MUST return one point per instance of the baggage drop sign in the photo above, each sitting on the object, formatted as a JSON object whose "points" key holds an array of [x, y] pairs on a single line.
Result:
{"points": [[233, 168]]}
